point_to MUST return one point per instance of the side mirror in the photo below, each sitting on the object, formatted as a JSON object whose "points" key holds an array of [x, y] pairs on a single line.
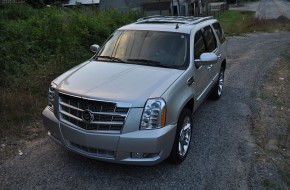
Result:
{"points": [[95, 48], [206, 59]]}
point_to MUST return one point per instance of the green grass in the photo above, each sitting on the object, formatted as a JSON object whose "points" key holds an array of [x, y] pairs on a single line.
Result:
{"points": [[236, 22], [239, 22]]}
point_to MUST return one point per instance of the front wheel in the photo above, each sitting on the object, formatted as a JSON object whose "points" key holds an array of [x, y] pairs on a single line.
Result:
{"points": [[182, 137], [219, 86]]}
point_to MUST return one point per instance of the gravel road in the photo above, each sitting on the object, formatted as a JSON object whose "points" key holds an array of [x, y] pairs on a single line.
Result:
{"points": [[267, 9], [222, 146]]}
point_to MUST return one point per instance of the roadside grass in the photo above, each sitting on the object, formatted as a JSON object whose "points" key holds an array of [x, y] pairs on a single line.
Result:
{"points": [[272, 128], [236, 22], [239, 22]]}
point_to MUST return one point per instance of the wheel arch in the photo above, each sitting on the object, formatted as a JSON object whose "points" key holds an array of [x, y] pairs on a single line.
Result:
{"points": [[190, 105], [224, 64]]}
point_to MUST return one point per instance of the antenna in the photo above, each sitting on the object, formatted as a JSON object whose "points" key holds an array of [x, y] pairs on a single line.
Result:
{"points": [[176, 27]]}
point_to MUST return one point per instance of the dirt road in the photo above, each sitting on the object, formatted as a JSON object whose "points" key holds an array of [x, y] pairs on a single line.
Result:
{"points": [[222, 145], [267, 9]]}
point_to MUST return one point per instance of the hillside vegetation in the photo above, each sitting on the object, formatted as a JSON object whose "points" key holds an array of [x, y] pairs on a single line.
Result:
{"points": [[37, 45]]}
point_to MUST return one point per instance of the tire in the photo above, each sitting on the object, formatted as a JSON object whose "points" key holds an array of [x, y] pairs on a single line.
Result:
{"points": [[219, 86], [182, 137]]}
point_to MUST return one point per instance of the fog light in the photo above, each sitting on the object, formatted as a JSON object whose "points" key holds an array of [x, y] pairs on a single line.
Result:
{"points": [[136, 155], [53, 135], [143, 155]]}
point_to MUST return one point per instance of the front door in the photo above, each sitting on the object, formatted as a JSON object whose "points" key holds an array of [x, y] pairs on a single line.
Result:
{"points": [[211, 46], [202, 74]]}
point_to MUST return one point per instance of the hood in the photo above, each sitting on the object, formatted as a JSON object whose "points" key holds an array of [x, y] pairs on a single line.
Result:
{"points": [[117, 82]]}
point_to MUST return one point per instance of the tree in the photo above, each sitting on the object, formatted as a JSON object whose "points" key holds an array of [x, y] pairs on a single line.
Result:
{"points": [[35, 3]]}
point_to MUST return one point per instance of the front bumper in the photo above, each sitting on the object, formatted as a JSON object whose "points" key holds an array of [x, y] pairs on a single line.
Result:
{"points": [[139, 147]]}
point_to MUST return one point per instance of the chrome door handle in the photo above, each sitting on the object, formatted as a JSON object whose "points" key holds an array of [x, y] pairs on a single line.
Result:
{"points": [[209, 67], [190, 81]]}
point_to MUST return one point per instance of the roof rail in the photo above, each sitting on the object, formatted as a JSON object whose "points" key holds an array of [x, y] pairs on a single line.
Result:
{"points": [[148, 17], [173, 19], [201, 19]]}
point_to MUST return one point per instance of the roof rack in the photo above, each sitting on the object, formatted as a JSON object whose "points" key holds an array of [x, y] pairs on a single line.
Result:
{"points": [[173, 19]]}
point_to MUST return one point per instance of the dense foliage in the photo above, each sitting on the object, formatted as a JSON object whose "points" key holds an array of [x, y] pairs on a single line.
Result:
{"points": [[43, 3], [36, 45]]}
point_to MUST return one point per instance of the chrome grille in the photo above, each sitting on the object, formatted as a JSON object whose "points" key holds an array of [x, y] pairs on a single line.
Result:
{"points": [[107, 116]]}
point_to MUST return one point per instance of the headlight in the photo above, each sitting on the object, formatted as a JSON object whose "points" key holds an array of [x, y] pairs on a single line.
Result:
{"points": [[51, 97], [154, 114]]}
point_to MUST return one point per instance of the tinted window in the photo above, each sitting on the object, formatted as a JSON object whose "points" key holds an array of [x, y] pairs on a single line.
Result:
{"points": [[199, 46], [219, 31], [148, 47], [109, 46], [210, 40]]}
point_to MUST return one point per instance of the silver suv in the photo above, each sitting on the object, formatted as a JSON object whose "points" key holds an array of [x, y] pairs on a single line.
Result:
{"points": [[133, 101]]}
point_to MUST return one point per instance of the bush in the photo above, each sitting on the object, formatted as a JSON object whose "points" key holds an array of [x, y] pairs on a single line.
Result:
{"points": [[37, 45]]}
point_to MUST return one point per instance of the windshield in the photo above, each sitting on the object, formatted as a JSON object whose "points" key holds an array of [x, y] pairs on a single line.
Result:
{"points": [[152, 48]]}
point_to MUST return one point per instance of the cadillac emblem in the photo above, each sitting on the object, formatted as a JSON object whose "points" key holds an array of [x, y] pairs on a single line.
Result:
{"points": [[87, 116]]}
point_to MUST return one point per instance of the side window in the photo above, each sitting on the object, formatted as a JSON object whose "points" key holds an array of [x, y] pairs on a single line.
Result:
{"points": [[199, 46], [210, 40], [219, 31]]}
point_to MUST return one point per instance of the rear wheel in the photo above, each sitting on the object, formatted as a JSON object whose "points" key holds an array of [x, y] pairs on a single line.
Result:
{"points": [[219, 86], [182, 137]]}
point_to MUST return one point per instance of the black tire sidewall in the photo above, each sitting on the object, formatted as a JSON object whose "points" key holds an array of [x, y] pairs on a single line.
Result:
{"points": [[214, 94], [174, 156]]}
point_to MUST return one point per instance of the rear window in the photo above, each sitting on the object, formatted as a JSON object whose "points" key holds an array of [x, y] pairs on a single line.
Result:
{"points": [[219, 31]]}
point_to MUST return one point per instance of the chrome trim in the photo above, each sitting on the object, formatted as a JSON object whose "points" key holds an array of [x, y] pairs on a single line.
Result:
{"points": [[107, 123], [201, 94], [90, 131], [110, 113], [71, 108], [118, 104], [190, 81], [70, 115], [209, 67]]}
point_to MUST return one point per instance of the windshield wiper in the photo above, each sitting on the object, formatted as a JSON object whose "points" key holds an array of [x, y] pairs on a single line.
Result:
{"points": [[101, 56], [114, 59], [148, 62]]}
